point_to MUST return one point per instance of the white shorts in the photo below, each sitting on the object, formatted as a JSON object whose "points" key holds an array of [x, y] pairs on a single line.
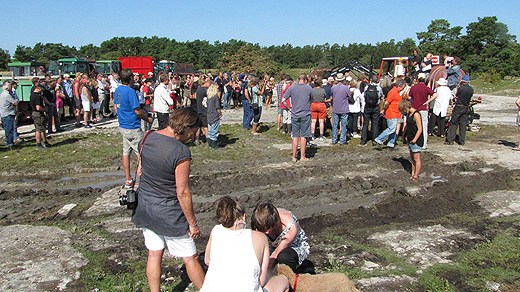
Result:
{"points": [[182, 246], [86, 106]]}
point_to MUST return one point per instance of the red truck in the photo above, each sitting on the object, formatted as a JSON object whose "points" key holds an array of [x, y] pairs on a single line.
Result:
{"points": [[138, 64]]}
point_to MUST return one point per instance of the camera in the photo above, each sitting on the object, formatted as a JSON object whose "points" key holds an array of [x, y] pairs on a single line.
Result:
{"points": [[129, 198]]}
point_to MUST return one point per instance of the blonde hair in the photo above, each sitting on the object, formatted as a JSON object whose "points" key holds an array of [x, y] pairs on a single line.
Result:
{"points": [[212, 90], [353, 83]]}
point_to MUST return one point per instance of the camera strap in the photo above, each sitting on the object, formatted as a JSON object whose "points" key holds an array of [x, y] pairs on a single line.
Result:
{"points": [[141, 151]]}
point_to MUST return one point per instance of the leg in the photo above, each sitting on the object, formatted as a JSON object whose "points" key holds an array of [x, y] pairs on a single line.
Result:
{"points": [[412, 161], [153, 269], [335, 122], [303, 145], [424, 117], [313, 127], [463, 126], [322, 127], [194, 270], [442, 126], [364, 131], [344, 125], [126, 166], [294, 147], [431, 124], [277, 283], [288, 257], [418, 164]]}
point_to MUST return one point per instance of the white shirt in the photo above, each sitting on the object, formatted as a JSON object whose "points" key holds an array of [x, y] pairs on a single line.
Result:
{"points": [[356, 107], [233, 263], [442, 101], [162, 99]]}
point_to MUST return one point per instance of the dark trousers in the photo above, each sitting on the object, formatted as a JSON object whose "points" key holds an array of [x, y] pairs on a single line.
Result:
{"points": [[371, 115], [438, 121], [459, 118], [163, 119], [289, 257], [52, 112], [352, 123]]}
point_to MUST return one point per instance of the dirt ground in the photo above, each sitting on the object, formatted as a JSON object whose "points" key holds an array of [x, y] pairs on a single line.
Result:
{"points": [[344, 197]]}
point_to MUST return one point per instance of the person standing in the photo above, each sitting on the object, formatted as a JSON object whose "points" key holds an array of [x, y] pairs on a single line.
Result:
{"points": [[300, 95], [459, 115], [129, 116], [413, 136], [340, 109], [165, 206], [419, 94], [372, 96], [162, 101], [442, 98], [214, 116], [202, 108], [38, 116], [16, 137], [392, 115], [8, 112], [453, 72], [318, 109]]}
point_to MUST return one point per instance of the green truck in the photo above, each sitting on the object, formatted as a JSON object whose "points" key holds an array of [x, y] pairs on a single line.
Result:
{"points": [[71, 66]]}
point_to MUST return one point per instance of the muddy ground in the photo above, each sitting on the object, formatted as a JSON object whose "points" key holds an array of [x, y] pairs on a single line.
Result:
{"points": [[345, 197]]}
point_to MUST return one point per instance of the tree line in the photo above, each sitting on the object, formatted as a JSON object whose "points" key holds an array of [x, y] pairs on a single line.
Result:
{"points": [[485, 47]]}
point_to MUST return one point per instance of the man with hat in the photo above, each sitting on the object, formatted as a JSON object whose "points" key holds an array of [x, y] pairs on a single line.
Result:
{"points": [[340, 109], [442, 98], [419, 94], [459, 115], [8, 112]]}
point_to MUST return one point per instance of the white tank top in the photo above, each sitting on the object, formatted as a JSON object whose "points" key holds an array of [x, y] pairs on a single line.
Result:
{"points": [[233, 263]]}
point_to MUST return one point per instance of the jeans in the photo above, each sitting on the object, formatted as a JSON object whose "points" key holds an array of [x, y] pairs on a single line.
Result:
{"points": [[388, 133], [8, 123], [370, 116], [336, 119], [248, 114], [213, 130], [226, 100]]}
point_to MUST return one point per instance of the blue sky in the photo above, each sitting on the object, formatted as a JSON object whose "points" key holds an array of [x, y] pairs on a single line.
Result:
{"points": [[266, 22]]}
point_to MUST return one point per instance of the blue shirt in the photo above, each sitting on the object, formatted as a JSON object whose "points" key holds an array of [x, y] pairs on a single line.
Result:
{"points": [[340, 94], [126, 102], [300, 95]]}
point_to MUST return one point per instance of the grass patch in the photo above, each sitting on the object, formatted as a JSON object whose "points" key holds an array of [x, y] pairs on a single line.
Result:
{"points": [[495, 261], [69, 154], [507, 87]]}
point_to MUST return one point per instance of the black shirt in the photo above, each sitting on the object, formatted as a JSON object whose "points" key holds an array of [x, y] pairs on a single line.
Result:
{"points": [[411, 130], [201, 94], [464, 95], [36, 99]]}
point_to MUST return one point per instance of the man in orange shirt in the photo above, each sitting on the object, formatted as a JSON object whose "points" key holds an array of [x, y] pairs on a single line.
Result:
{"points": [[392, 115]]}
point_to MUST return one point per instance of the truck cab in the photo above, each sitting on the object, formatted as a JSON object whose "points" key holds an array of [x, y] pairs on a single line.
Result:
{"points": [[71, 66], [108, 66]]}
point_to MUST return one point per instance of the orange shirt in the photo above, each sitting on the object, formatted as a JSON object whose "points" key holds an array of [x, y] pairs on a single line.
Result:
{"points": [[393, 98]]}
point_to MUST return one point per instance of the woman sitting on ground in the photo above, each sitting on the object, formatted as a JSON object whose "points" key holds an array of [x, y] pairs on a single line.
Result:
{"points": [[238, 258], [289, 243]]}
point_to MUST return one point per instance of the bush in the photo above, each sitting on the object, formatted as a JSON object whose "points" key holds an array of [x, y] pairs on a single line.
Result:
{"points": [[490, 76]]}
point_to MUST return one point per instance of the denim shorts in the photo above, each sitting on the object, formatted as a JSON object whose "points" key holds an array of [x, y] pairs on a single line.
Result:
{"points": [[414, 148], [301, 127]]}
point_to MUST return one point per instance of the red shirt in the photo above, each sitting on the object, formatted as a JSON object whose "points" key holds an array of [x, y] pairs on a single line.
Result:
{"points": [[393, 98], [419, 94], [146, 91]]}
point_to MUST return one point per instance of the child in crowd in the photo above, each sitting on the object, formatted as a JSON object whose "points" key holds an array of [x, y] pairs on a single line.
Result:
{"points": [[288, 242], [214, 113], [286, 116]]}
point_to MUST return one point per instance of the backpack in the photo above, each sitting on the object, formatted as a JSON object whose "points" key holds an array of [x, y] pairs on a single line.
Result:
{"points": [[371, 96]]}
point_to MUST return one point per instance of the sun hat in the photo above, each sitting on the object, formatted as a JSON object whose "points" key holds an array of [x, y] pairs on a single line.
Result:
{"points": [[324, 81], [330, 79], [442, 82], [340, 77], [421, 76]]}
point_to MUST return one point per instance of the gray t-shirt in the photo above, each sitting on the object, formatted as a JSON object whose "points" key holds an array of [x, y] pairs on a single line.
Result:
{"points": [[213, 106], [318, 94], [300, 95], [7, 107], [158, 207]]}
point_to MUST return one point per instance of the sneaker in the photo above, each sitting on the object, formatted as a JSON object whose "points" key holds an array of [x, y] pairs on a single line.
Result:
{"points": [[88, 126], [448, 143], [323, 139], [376, 144], [356, 136]]}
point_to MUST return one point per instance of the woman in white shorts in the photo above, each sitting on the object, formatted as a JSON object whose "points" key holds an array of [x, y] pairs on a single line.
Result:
{"points": [[164, 207]]}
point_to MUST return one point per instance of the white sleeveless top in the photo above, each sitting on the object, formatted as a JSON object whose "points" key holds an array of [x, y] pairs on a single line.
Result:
{"points": [[233, 263]]}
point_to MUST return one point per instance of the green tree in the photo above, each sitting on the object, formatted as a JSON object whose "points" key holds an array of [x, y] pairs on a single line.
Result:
{"points": [[487, 45], [5, 58], [440, 38], [249, 58]]}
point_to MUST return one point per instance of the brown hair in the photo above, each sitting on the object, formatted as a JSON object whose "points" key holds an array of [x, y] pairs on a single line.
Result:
{"points": [[404, 106], [265, 216], [184, 118], [228, 211]]}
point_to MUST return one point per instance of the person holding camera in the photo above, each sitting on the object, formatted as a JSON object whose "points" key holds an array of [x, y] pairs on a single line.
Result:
{"points": [[166, 217]]}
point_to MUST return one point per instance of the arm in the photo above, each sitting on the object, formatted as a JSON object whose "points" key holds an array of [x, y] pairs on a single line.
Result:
{"points": [[264, 265], [182, 173], [430, 99], [518, 103], [418, 121], [246, 94], [208, 252], [140, 113], [286, 218]]}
